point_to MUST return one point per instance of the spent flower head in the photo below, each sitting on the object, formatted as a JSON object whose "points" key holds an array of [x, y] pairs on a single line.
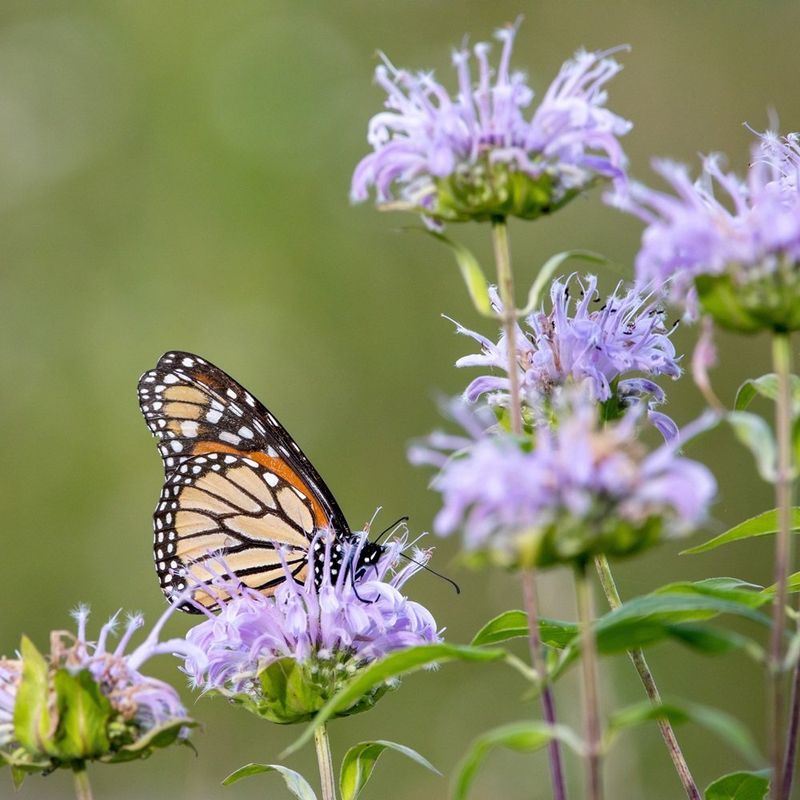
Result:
{"points": [[486, 152], [282, 657], [577, 489], [88, 700], [614, 345], [733, 244]]}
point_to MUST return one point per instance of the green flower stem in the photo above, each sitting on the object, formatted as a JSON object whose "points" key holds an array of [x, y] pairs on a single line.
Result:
{"points": [[83, 789], [649, 683], [505, 282], [325, 763], [591, 699], [781, 358]]}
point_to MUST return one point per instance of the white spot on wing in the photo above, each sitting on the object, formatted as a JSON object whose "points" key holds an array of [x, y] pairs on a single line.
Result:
{"points": [[189, 427], [271, 478]]}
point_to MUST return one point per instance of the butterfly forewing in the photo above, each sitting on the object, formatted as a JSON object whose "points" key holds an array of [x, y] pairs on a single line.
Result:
{"points": [[236, 486]]}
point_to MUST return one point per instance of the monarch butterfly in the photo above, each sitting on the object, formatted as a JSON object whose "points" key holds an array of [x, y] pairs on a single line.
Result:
{"points": [[236, 485]]}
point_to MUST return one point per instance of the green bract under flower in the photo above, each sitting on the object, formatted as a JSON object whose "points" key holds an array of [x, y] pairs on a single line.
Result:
{"points": [[83, 702], [289, 691], [771, 302], [484, 191]]}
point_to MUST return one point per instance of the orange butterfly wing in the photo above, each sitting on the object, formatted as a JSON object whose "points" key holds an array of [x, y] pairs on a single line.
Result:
{"points": [[236, 483]]}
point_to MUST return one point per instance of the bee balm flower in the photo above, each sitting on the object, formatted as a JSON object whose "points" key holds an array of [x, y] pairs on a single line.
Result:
{"points": [[733, 244], [283, 657], [487, 152]]}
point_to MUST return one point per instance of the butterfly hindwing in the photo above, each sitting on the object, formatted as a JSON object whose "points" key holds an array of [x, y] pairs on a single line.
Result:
{"points": [[222, 508]]}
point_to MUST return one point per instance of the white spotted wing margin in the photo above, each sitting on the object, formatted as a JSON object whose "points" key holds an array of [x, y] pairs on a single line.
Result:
{"points": [[190, 405], [222, 512]]}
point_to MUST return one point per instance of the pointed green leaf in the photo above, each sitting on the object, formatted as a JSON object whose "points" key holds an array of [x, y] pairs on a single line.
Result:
{"points": [[549, 268], [739, 786], [765, 386], [35, 718], [84, 713], [524, 737], [392, 666], [471, 272], [733, 589], [295, 782], [359, 761], [514, 624], [762, 525], [18, 776], [728, 728], [649, 619], [753, 432]]}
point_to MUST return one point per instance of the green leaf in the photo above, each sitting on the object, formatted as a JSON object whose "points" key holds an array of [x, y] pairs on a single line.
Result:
{"points": [[728, 728], [35, 720], [677, 607], [514, 624], [392, 666], [524, 737], [295, 782], [547, 271], [739, 786], [765, 386], [733, 589], [650, 619], [84, 713], [471, 272], [761, 525], [359, 761], [753, 432]]}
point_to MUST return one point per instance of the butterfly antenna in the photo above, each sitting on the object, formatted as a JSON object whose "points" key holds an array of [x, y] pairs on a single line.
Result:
{"points": [[433, 572], [391, 527]]}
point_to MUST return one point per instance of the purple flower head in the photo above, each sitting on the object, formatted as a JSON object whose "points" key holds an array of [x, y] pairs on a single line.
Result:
{"points": [[130, 713], [604, 344], [731, 234], [321, 635], [485, 152], [583, 488]]}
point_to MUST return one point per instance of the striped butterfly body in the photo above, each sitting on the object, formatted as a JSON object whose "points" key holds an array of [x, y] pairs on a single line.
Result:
{"points": [[237, 486]]}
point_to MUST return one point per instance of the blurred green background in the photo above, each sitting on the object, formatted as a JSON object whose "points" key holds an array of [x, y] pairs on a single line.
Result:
{"points": [[175, 175]]}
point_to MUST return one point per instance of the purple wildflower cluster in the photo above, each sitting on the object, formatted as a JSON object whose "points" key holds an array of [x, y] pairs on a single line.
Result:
{"points": [[603, 345], [140, 703], [329, 631], [583, 488], [456, 158], [719, 223]]}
